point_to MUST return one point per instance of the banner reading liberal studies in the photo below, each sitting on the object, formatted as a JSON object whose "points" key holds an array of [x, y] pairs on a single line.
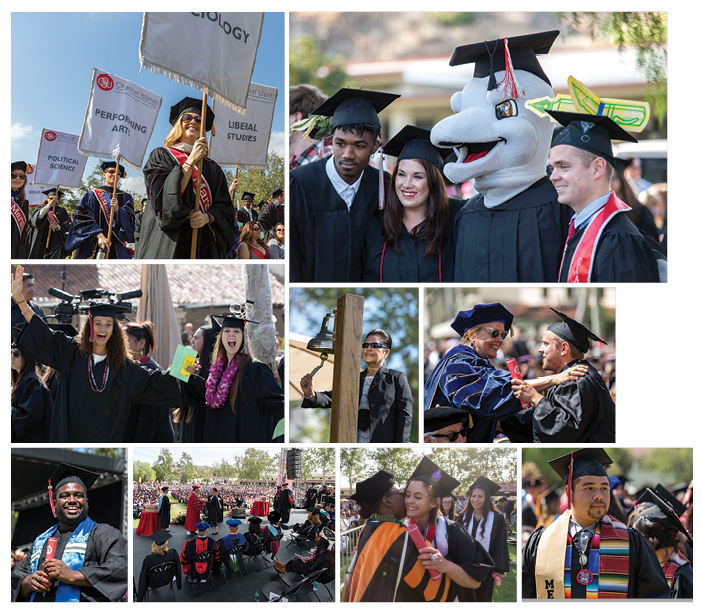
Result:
{"points": [[242, 140], [59, 162], [119, 120], [212, 52]]}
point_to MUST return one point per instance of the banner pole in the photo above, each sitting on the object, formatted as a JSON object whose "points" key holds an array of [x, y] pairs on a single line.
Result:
{"points": [[112, 210], [203, 114]]}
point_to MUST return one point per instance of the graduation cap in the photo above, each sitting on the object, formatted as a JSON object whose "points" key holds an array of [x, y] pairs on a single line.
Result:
{"points": [[105, 309], [371, 490], [573, 332], [274, 516], [20, 165], [669, 498], [350, 106], [160, 537], [442, 416], [593, 133], [489, 57], [482, 314], [238, 315], [193, 105], [276, 192], [582, 462], [248, 196], [621, 164], [255, 519], [106, 165], [203, 526], [66, 473], [486, 485], [659, 511], [233, 522], [52, 191], [412, 142], [431, 474], [551, 494]]}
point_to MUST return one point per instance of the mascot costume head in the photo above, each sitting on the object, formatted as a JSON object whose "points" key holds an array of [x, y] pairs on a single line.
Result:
{"points": [[499, 142]]}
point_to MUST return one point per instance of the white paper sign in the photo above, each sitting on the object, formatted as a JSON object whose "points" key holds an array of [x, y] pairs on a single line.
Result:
{"points": [[119, 120], [59, 162], [242, 140], [212, 52]]}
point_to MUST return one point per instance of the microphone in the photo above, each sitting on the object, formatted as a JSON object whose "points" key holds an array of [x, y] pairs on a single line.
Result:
{"points": [[128, 295], [62, 295]]}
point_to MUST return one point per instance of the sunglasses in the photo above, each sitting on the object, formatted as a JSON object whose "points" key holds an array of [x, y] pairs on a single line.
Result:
{"points": [[19, 175], [453, 436], [16, 353], [195, 118], [375, 345], [496, 332], [280, 231], [256, 229]]}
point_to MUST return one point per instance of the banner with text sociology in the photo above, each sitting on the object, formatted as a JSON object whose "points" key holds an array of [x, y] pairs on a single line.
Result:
{"points": [[212, 52], [242, 140], [59, 162], [119, 120]]}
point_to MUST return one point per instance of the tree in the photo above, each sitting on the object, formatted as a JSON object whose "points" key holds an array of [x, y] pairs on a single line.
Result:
{"points": [[163, 466], [320, 459], [309, 65], [186, 467], [260, 182], [143, 472], [257, 464], [223, 469], [352, 463], [400, 461]]}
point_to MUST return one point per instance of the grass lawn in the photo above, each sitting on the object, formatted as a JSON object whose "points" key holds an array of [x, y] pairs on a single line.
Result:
{"points": [[508, 590], [175, 509]]}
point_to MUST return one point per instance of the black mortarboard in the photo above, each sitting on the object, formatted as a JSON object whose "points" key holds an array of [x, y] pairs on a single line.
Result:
{"points": [[65, 473], [52, 191], [412, 142], [238, 315], [586, 462], [274, 516], [160, 537], [255, 519], [193, 105], [349, 106], [66, 328], [668, 497], [442, 416], [20, 165], [431, 474], [276, 192], [573, 332], [593, 133], [481, 314], [248, 196], [371, 490], [660, 512], [489, 56], [486, 484], [106, 165]]}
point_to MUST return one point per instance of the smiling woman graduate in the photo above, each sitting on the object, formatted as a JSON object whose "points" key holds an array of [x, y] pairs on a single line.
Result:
{"points": [[99, 380]]}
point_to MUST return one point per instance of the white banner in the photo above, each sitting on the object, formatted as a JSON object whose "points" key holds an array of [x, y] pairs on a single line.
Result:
{"points": [[35, 195], [212, 52], [119, 120], [242, 140], [59, 162]]}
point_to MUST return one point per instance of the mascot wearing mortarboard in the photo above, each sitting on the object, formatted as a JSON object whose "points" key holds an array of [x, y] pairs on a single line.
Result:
{"points": [[514, 229], [585, 553], [333, 200], [578, 411], [77, 559]]}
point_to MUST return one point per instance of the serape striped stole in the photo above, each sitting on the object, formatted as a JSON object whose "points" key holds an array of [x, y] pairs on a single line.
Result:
{"points": [[676, 560]]}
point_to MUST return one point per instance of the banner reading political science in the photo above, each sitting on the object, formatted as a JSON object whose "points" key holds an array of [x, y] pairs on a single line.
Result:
{"points": [[212, 52], [59, 162], [242, 140], [119, 120]]}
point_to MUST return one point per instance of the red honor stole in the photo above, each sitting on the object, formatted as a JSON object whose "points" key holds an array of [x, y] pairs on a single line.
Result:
{"points": [[205, 192], [52, 217], [105, 206], [581, 263], [19, 216]]}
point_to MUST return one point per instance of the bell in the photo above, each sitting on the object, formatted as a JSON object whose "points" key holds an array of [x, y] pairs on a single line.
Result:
{"points": [[323, 342]]}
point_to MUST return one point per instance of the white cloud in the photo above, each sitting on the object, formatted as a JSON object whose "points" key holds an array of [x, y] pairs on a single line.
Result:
{"points": [[133, 184], [278, 143], [20, 131]]}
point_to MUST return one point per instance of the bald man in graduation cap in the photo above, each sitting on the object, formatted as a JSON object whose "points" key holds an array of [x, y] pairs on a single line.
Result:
{"points": [[333, 200], [585, 553], [603, 245], [77, 559], [577, 411]]}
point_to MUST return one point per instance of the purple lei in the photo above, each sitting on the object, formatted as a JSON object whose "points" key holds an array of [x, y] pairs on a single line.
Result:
{"points": [[216, 394]]}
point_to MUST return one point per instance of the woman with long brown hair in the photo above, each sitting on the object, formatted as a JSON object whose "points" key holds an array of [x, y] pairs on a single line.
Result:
{"points": [[411, 240], [251, 245], [30, 400], [19, 210]]}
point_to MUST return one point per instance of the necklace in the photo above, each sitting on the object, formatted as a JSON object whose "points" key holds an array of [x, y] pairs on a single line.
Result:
{"points": [[91, 377]]}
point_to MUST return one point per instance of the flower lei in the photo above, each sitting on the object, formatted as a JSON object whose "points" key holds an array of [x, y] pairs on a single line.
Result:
{"points": [[218, 384]]}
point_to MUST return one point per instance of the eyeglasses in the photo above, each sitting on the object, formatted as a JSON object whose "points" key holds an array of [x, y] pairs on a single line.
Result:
{"points": [[16, 353], [376, 345], [496, 332], [452, 437], [195, 118], [19, 175]]}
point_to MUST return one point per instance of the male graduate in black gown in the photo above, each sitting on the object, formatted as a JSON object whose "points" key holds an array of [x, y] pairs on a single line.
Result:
{"points": [[52, 218], [603, 244], [586, 553], [164, 509], [273, 212], [246, 213], [333, 200], [77, 559], [580, 410], [284, 503]]}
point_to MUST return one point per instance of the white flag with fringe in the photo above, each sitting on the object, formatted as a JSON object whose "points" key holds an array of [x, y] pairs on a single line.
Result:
{"points": [[212, 52]]}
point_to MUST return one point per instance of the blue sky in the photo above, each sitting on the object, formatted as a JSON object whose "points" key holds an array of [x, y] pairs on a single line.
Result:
{"points": [[53, 56]]}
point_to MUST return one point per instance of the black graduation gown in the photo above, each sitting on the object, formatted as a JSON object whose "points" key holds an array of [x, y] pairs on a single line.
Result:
{"points": [[164, 514], [149, 423], [623, 255], [646, 579], [321, 561], [158, 580], [682, 583], [242, 216], [40, 226], [18, 243], [257, 410], [326, 239], [32, 406], [282, 505], [17, 318], [519, 241], [81, 414], [498, 552], [165, 229], [213, 510], [271, 215], [105, 566], [577, 411], [409, 266]]}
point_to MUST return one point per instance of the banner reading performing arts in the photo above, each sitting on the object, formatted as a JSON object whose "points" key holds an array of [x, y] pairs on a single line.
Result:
{"points": [[119, 120], [59, 162], [242, 140], [212, 52]]}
